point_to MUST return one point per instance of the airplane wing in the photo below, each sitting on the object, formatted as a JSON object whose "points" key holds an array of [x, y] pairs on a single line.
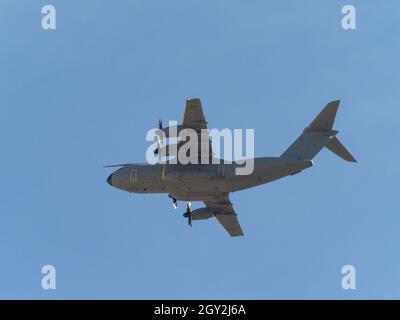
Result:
{"points": [[193, 118], [226, 215]]}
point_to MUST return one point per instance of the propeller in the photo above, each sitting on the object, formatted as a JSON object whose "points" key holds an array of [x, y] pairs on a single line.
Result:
{"points": [[159, 139], [188, 213]]}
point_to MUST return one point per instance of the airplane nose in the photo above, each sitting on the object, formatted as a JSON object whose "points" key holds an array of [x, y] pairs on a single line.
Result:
{"points": [[109, 180]]}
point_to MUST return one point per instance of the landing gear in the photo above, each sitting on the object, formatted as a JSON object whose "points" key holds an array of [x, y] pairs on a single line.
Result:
{"points": [[174, 202]]}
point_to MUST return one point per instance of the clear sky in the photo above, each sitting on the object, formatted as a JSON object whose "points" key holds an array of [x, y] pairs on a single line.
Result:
{"points": [[84, 95]]}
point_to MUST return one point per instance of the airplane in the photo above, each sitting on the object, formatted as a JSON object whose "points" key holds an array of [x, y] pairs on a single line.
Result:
{"points": [[212, 183]]}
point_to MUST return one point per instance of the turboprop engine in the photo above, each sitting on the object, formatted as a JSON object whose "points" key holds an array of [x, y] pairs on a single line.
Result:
{"points": [[202, 214], [197, 214]]}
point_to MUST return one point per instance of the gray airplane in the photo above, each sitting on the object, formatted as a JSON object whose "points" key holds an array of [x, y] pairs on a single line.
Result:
{"points": [[212, 183]]}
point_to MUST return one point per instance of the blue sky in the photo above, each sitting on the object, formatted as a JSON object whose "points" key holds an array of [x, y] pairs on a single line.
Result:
{"points": [[84, 95]]}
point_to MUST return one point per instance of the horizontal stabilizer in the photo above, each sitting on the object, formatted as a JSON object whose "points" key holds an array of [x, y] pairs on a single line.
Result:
{"points": [[336, 147]]}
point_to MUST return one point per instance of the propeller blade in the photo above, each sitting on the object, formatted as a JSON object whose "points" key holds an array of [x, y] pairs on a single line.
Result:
{"points": [[160, 140], [188, 213], [118, 165]]}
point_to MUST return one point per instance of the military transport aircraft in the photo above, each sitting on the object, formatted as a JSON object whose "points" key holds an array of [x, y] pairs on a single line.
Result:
{"points": [[212, 183]]}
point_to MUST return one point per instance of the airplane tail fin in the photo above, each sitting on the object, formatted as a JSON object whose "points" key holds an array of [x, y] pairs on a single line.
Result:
{"points": [[317, 135]]}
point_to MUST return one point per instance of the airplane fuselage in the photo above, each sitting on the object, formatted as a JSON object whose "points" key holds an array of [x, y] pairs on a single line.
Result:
{"points": [[201, 182]]}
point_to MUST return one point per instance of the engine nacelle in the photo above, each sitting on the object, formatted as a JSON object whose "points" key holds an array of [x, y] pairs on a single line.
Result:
{"points": [[168, 150], [202, 214], [173, 131]]}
